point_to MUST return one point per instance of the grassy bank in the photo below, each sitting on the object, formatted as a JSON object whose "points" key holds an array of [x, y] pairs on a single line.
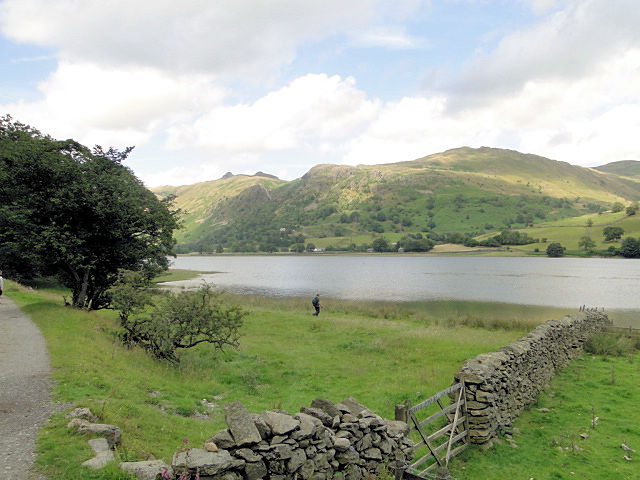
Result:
{"points": [[380, 353]]}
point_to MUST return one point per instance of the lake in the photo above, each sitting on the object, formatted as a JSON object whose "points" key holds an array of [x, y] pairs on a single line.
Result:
{"points": [[561, 282]]}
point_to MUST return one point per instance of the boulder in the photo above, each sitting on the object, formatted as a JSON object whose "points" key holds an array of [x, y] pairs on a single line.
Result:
{"points": [[247, 454], [280, 423], [206, 463], [308, 426], [82, 413], [255, 470], [298, 458], [241, 425], [103, 453], [326, 406], [341, 444], [261, 425], [147, 470], [319, 414], [110, 432], [353, 407]]}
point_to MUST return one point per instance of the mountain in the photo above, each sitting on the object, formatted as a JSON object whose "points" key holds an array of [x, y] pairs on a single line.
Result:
{"points": [[460, 192], [625, 168]]}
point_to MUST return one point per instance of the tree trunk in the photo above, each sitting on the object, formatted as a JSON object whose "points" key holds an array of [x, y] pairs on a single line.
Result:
{"points": [[79, 302]]}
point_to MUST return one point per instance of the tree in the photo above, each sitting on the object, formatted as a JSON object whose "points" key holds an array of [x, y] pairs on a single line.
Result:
{"points": [[617, 207], [586, 243], [612, 233], [632, 209], [416, 243], [163, 324], [78, 214], [555, 250], [380, 244], [630, 247]]}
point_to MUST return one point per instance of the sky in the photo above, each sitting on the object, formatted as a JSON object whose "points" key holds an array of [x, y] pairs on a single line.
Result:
{"points": [[204, 87]]}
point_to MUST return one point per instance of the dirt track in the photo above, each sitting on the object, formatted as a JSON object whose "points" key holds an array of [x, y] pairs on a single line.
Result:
{"points": [[25, 403]]}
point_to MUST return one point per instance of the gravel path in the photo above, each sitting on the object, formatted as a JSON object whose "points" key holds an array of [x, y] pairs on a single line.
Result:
{"points": [[24, 391]]}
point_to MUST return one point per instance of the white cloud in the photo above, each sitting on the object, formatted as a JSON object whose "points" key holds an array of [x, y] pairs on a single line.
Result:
{"points": [[541, 6], [95, 104], [310, 110], [587, 121], [567, 44], [194, 35], [386, 38]]}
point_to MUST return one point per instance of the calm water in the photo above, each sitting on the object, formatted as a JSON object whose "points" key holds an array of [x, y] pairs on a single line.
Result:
{"points": [[562, 282]]}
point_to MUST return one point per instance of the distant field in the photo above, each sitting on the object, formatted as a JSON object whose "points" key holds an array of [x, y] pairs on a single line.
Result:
{"points": [[569, 231]]}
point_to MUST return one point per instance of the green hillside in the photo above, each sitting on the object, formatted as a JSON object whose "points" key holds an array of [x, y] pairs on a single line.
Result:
{"points": [[625, 168], [445, 197], [199, 201]]}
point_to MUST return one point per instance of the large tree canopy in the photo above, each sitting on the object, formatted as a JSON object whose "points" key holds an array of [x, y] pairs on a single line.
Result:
{"points": [[79, 214]]}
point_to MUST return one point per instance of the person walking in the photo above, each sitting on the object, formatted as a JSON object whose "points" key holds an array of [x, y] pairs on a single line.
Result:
{"points": [[316, 304], [1, 283]]}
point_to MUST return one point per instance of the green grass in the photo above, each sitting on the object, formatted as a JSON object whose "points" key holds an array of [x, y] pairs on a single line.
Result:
{"points": [[549, 445], [380, 353], [569, 231], [287, 358]]}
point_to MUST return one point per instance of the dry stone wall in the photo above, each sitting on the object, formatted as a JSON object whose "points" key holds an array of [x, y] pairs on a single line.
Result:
{"points": [[313, 444], [499, 385]]}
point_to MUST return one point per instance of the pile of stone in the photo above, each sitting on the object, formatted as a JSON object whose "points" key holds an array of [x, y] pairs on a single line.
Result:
{"points": [[501, 384], [84, 421], [313, 444]]}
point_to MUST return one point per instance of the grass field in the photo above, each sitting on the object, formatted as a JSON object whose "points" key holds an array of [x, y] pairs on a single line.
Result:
{"points": [[569, 231], [549, 445], [379, 353]]}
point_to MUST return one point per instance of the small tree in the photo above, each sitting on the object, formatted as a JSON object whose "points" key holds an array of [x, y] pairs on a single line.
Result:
{"points": [[617, 207], [164, 323], [632, 209], [587, 244], [555, 250]]}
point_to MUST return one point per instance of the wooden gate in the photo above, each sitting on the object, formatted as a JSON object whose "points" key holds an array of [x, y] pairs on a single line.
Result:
{"points": [[443, 434]]}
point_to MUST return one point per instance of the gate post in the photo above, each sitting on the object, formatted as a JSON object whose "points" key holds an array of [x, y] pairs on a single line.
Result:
{"points": [[402, 411]]}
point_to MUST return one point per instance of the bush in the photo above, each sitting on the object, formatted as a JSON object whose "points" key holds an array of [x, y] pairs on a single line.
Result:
{"points": [[613, 344], [164, 323], [380, 244], [555, 250]]}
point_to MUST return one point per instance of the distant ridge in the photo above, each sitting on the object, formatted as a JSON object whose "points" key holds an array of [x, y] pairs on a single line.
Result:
{"points": [[463, 191], [257, 174], [626, 168]]}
